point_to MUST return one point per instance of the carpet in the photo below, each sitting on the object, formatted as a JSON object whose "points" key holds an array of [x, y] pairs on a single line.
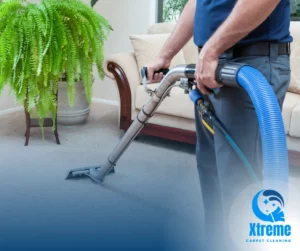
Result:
{"points": [[153, 202]]}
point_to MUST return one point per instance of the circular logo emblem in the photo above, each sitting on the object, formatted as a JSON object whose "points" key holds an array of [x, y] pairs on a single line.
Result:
{"points": [[268, 206]]}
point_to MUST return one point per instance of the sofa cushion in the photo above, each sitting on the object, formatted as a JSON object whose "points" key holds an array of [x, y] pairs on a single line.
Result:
{"points": [[293, 143], [189, 50], [290, 102], [295, 122], [147, 47], [295, 58], [178, 104], [161, 28]]}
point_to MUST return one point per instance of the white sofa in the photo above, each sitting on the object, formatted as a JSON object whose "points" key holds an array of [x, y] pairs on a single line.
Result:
{"points": [[175, 117]]}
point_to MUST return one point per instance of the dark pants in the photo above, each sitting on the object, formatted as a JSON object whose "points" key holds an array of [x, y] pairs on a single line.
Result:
{"points": [[222, 174]]}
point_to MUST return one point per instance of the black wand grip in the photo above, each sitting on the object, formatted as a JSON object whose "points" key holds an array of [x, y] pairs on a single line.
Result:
{"points": [[144, 72]]}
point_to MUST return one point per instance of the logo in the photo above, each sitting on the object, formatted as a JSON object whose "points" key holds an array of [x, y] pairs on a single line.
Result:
{"points": [[268, 207]]}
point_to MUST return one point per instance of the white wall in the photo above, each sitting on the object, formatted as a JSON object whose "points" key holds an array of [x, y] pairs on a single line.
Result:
{"points": [[7, 102], [126, 17]]}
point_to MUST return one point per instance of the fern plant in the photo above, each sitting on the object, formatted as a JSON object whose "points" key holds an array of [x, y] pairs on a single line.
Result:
{"points": [[41, 42]]}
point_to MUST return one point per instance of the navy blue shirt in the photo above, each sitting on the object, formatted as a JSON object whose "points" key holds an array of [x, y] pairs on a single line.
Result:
{"points": [[210, 14]]}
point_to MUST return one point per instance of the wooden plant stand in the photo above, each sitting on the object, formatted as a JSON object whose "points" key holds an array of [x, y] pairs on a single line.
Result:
{"points": [[33, 123]]}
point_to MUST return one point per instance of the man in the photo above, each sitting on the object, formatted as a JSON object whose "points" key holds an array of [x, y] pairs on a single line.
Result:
{"points": [[255, 32]]}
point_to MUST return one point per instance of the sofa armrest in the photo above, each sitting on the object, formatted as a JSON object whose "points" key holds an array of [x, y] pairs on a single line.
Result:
{"points": [[127, 62], [123, 69]]}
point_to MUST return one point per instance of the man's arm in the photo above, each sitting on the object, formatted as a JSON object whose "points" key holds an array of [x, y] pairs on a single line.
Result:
{"points": [[245, 17], [182, 33]]}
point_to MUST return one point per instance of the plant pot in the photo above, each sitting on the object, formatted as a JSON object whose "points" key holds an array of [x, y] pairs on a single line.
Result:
{"points": [[76, 115]]}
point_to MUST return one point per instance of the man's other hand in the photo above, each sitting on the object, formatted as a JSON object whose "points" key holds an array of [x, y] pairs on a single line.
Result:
{"points": [[206, 67]]}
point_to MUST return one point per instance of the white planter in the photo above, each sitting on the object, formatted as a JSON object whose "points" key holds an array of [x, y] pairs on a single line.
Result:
{"points": [[76, 115]]}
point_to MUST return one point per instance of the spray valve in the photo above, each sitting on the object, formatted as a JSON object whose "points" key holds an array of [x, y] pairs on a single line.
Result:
{"points": [[187, 85]]}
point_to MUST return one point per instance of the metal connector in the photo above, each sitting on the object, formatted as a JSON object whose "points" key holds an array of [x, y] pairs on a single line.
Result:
{"points": [[227, 73]]}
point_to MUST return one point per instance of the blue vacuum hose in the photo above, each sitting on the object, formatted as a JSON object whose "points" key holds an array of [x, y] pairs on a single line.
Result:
{"points": [[268, 112], [274, 146]]}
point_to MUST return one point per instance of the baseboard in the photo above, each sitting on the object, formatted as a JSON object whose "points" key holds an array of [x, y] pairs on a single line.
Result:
{"points": [[105, 101], [95, 100], [11, 110]]}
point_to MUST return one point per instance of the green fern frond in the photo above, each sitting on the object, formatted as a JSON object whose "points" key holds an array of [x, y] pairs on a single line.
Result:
{"points": [[41, 42]]}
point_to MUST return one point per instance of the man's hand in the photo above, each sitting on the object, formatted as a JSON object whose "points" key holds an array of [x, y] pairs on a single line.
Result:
{"points": [[155, 65], [182, 33], [206, 67]]}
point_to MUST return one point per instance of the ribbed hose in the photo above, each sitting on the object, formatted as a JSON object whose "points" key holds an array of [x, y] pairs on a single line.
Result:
{"points": [[274, 147]]}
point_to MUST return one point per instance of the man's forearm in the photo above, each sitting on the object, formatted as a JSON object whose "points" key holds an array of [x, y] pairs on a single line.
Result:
{"points": [[245, 17], [182, 33]]}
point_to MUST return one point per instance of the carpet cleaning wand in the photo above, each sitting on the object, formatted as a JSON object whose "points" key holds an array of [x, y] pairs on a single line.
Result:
{"points": [[275, 157], [157, 96]]}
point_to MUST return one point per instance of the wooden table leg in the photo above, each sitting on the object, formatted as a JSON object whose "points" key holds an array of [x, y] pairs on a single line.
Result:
{"points": [[27, 133], [56, 132]]}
